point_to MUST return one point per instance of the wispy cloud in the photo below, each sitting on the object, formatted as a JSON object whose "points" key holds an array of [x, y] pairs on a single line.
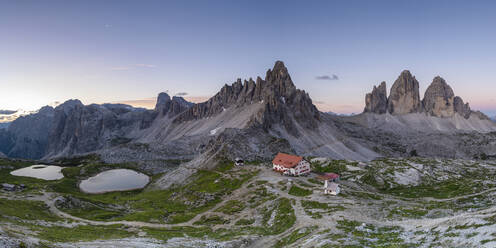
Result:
{"points": [[145, 65], [120, 68], [7, 112], [135, 66], [181, 93], [327, 77]]}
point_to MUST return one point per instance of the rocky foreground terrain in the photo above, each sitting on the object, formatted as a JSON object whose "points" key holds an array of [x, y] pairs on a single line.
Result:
{"points": [[414, 172], [412, 202]]}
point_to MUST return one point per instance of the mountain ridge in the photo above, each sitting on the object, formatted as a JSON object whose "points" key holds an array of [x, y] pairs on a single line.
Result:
{"points": [[260, 113]]}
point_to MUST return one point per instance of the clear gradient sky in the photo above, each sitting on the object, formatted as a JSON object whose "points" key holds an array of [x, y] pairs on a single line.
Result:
{"points": [[114, 51]]}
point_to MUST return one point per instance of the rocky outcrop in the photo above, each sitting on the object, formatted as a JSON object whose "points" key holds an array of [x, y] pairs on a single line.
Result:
{"points": [[229, 95], [480, 115], [73, 128], [167, 106], [461, 108], [79, 129], [376, 101], [439, 99], [404, 97], [248, 144], [282, 101]]}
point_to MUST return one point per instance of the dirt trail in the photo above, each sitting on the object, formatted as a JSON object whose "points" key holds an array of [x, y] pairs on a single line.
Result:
{"points": [[354, 209]]}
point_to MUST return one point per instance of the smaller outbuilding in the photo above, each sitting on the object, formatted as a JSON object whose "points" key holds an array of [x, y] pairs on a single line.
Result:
{"points": [[330, 183], [331, 177], [331, 188]]}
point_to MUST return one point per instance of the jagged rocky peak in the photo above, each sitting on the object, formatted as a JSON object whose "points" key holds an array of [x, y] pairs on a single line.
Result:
{"points": [[404, 97], [279, 77], [439, 99], [172, 106], [46, 110], [461, 108], [277, 93], [162, 100], [376, 101], [69, 105]]}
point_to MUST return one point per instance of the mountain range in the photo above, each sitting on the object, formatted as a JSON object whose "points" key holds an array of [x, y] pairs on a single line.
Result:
{"points": [[255, 119]]}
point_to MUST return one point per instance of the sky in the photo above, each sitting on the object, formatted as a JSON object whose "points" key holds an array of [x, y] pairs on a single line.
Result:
{"points": [[129, 51]]}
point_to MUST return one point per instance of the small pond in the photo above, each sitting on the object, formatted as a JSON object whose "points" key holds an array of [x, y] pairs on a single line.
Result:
{"points": [[45, 172], [114, 180]]}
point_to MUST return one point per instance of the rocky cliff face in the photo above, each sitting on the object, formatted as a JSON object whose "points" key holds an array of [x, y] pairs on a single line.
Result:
{"points": [[80, 129], [461, 108], [404, 97], [167, 106], [74, 128], [28, 135], [282, 101], [439, 99], [377, 101]]}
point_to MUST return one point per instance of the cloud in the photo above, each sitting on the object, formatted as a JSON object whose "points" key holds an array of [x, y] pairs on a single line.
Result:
{"points": [[127, 68], [327, 77], [7, 112], [120, 68], [108, 25], [181, 93], [145, 65]]}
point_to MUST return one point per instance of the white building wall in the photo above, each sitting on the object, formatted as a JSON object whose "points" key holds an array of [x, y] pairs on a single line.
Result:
{"points": [[303, 167]]}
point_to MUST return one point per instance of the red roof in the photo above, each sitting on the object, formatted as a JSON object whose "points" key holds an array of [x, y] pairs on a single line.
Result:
{"points": [[328, 176], [286, 160]]}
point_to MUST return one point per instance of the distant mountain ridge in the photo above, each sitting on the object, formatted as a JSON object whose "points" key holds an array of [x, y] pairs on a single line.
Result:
{"points": [[255, 120], [74, 128]]}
